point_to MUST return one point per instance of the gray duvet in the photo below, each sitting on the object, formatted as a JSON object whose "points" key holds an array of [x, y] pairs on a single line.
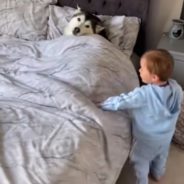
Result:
{"points": [[51, 131]]}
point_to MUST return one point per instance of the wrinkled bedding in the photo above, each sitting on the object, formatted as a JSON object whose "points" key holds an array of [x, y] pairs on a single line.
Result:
{"points": [[51, 130]]}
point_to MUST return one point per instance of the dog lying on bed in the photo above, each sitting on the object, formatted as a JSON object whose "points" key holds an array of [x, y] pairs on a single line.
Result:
{"points": [[84, 23]]}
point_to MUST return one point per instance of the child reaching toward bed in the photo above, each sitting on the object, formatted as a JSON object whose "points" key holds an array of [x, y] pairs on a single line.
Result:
{"points": [[154, 110]]}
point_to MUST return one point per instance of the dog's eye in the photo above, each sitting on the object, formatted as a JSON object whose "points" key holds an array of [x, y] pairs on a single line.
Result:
{"points": [[87, 26], [79, 19]]}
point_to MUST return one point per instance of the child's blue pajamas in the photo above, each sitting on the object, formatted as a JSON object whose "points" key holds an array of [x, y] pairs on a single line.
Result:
{"points": [[154, 111], [148, 158]]}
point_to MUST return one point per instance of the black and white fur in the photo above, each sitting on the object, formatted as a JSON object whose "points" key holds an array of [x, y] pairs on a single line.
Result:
{"points": [[84, 23]]}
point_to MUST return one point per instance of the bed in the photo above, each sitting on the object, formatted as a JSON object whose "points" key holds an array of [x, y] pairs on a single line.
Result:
{"points": [[51, 130]]}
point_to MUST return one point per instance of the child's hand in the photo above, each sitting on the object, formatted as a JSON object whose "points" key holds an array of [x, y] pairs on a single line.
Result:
{"points": [[109, 104]]}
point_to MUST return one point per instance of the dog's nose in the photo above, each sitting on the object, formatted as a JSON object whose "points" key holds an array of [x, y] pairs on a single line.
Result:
{"points": [[76, 30]]}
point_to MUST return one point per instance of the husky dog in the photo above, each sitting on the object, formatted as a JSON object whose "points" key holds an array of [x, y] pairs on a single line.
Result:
{"points": [[84, 23]]}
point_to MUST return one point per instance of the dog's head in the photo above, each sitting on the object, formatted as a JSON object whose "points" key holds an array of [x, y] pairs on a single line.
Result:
{"points": [[83, 23]]}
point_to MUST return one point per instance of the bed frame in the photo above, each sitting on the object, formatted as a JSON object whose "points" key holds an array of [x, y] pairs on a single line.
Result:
{"points": [[138, 8]]}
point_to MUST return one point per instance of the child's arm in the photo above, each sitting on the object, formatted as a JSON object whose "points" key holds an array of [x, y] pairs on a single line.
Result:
{"points": [[133, 99]]}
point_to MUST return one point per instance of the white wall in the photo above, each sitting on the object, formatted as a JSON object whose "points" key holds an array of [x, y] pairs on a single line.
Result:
{"points": [[160, 17]]}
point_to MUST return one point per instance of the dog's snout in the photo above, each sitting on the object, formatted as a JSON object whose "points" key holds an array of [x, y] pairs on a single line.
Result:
{"points": [[76, 30]]}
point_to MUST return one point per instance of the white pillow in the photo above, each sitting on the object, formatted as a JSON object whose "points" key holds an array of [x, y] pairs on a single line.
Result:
{"points": [[131, 30], [28, 21], [122, 31], [6, 4], [115, 28], [58, 19]]}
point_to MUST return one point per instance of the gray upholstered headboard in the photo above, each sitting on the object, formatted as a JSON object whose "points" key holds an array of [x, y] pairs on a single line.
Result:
{"points": [[137, 8]]}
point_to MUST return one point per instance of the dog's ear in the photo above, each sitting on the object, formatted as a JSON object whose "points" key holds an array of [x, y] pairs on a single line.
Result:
{"points": [[99, 28], [68, 18], [78, 10]]}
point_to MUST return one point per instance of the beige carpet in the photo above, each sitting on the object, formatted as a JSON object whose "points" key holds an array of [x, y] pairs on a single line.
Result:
{"points": [[174, 173], [175, 168]]}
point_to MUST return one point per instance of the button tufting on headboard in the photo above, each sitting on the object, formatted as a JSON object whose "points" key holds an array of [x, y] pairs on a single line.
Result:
{"points": [[112, 7], [119, 5], [104, 3]]}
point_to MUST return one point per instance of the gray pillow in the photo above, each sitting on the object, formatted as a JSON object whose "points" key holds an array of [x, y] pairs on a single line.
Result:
{"points": [[26, 21], [6, 4]]}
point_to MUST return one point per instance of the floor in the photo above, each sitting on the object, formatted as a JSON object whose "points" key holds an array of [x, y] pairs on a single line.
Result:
{"points": [[175, 168], [174, 173]]}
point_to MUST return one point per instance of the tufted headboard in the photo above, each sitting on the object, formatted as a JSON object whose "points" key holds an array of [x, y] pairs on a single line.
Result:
{"points": [[138, 8]]}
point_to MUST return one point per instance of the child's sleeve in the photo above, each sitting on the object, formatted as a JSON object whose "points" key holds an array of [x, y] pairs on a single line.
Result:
{"points": [[133, 99]]}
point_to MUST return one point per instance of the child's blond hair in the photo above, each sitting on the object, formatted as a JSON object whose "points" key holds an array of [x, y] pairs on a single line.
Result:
{"points": [[159, 62]]}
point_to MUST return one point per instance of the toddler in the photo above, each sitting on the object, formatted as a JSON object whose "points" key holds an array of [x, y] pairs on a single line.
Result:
{"points": [[154, 109]]}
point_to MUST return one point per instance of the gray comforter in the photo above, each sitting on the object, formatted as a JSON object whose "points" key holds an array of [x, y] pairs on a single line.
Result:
{"points": [[51, 131]]}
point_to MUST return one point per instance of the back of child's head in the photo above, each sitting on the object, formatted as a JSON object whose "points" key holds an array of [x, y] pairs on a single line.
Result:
{"points": [[159, 62]]}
